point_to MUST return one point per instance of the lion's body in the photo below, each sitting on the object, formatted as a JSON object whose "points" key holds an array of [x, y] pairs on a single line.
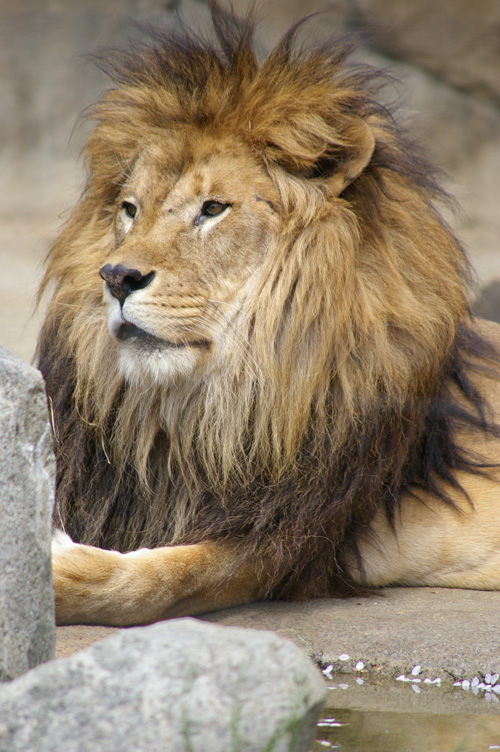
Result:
{"points": [[432, 543], [281, 359]]}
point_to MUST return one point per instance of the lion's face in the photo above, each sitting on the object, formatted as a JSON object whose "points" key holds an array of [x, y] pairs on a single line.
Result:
{"points": [[190, 231]]}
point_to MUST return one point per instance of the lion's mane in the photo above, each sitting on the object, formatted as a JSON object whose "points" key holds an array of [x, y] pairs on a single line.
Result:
{"points": [[340, 391]]}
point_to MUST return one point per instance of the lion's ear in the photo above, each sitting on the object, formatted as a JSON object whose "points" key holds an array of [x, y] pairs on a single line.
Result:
{"points": [[334, 149], [341, 165]]}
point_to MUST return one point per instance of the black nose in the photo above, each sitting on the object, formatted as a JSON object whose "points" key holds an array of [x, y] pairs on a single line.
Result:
{"points": [[122, 281]]}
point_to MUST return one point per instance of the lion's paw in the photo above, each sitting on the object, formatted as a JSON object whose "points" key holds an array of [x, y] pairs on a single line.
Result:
{"points": [[61, 540]]}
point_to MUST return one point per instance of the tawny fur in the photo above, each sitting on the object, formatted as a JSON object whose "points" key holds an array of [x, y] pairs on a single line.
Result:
{"points": [[340, 374]]}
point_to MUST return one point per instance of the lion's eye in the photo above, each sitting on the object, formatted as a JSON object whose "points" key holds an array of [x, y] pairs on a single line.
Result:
{"points": [[213, 208], [129, 208]]}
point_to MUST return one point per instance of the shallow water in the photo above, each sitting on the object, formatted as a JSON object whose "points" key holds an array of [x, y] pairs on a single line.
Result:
{"points": [[382, 716]]}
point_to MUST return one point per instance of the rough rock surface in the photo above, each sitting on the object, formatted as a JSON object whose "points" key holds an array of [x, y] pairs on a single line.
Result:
{"points": [[175, 686], [455, 40], [27, 471], [487, 305]]}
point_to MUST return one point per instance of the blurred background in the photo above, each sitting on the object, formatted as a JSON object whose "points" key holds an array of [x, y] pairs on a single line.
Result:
{"points": [[444, 57]]}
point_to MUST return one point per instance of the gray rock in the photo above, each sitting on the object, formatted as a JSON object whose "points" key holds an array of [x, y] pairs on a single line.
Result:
{"points": [[455, 40], [27, 471], [175, 686], [487, 304]]}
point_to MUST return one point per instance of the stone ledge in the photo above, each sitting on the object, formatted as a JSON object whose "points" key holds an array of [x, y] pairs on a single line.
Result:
{"points": [[450, 633]]}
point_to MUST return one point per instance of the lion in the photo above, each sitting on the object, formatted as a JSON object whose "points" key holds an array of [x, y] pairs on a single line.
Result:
{"points": [[263, 372]]}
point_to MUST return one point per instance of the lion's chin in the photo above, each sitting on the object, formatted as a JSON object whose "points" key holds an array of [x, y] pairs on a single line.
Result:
{"points": [[148, 361]]}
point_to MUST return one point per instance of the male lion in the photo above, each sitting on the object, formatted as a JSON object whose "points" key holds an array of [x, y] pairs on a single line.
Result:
{"points": [[276, 390]]}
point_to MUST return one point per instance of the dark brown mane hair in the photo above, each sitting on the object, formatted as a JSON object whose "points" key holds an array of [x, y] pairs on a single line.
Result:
{"points": [[362, 353]]}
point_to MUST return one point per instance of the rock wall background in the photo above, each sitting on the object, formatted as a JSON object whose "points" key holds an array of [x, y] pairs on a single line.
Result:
{"points": [[444, 55]]}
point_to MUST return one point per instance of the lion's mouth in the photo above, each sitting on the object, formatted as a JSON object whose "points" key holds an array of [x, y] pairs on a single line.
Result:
{"points": [[127, 332]]}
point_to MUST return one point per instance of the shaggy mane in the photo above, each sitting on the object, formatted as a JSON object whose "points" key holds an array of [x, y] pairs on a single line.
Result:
{"points": [[343, 390]]}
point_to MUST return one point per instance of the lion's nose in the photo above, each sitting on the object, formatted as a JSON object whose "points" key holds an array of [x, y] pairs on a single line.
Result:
{"points": [[122, 281]]}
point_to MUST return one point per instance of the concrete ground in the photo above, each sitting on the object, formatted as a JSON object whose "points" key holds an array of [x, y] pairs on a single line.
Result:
{"points": [[367, 643], [451, 634]]}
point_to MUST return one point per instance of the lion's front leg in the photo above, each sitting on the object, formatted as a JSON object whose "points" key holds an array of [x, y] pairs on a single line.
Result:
{"points": [[96, 586]]}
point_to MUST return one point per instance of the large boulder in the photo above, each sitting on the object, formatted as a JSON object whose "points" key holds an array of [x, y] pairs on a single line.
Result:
{"points": [[454, 40], [487, 303], [174, 686], [27, 472]]}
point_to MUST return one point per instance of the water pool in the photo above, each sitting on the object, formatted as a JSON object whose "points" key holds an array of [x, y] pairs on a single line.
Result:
{"points": [[370, 715]]}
